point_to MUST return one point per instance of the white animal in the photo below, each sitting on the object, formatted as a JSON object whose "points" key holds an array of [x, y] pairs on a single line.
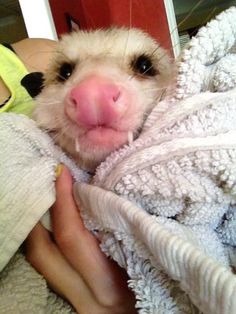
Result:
{"points": [[98, 90]]}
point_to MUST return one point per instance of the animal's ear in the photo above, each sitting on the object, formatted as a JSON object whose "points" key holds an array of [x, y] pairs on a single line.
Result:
{"points": [[73, 24], [33, 83]]}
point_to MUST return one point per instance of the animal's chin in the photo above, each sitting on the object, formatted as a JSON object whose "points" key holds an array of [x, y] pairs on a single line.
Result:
{"points": [[96, 144], [93, 146]]}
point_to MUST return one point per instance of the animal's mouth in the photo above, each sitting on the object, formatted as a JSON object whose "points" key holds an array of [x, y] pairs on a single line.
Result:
{"points": [[104, 137], [97, 140]]}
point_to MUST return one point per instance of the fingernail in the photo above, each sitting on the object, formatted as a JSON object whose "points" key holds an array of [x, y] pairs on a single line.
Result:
{"points": [[58, 170]]}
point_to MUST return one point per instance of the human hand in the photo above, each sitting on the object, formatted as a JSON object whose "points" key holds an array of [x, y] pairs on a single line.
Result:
{"points": [[72, 261]]}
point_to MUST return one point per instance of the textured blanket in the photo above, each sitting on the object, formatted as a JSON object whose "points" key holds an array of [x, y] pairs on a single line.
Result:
{"points": [[165, 205]]}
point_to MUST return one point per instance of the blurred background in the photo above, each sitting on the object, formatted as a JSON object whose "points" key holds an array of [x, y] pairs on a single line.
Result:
{"points": [[12, 26], [171, 22]]}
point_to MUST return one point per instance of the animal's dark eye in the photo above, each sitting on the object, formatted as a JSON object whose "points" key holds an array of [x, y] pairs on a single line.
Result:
{"points": [[143, 65], [65, 71]]}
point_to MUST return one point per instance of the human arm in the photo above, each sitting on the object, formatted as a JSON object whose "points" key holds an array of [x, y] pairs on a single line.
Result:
{"points": [[35, 54]]}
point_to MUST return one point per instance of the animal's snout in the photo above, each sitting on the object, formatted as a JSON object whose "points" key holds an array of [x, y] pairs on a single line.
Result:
{"points": [[96, 101]]}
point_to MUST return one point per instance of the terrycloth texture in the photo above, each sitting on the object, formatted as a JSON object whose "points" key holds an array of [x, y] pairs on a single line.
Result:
{"points": [[181, 175], [185, 178], [23, 290], [172, 223], [28, 159]]}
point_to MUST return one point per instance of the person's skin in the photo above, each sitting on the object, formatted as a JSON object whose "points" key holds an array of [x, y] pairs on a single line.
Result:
{"points": [[35, 54], [70, 258], [74, 265]]}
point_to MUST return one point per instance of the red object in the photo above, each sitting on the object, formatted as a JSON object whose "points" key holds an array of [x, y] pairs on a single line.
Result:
{"points": [[149, 15]]}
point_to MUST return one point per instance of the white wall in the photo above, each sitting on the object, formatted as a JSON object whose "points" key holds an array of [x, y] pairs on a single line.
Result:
{"points": [[38, 19]]}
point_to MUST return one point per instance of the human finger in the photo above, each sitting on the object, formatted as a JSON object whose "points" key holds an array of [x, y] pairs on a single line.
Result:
{"points": [[45, 257], [104, 277]]}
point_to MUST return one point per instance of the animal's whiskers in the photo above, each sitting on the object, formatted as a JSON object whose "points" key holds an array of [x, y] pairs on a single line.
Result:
{"points": [[180, 23], [152, 89], [130, 25], [54, 103], [76, 96], [189, 14], [59, 132]]}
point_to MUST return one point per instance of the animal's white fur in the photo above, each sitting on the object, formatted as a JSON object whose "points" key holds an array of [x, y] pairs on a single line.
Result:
{"points": [[107, 53]]}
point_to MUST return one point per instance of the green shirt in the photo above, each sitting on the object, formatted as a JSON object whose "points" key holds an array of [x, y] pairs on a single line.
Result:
{"points": [[12, 70]]}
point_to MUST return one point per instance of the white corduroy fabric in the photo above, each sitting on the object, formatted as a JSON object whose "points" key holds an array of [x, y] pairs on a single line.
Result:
{"points": [[181, 175], [28, 159], [210, 285]]}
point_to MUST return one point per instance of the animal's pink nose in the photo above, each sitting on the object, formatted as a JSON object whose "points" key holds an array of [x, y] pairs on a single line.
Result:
{"points": [[96, 102]]}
